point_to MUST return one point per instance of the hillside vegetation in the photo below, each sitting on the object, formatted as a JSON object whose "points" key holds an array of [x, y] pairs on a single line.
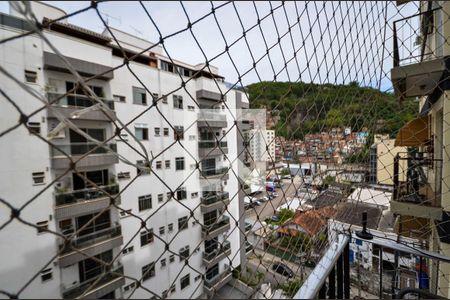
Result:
{"points": [[312, 108]]}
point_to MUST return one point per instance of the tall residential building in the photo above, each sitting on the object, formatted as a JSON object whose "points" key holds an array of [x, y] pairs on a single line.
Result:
{"points": [[262, 145], [158, 205], [421, 70]]}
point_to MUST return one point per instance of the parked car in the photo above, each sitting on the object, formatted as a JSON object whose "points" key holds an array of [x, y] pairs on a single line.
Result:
{"points": [[282, 269], [286, 177], [275, 218]]}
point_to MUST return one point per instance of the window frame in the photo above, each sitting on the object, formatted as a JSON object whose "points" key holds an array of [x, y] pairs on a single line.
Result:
{"points": [[145, 202]]}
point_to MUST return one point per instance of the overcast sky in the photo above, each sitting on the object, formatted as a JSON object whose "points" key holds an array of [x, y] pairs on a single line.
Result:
{"points": [[337, 49]]}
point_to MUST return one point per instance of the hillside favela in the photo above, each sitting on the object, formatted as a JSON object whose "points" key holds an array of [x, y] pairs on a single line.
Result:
{"points": [[224, 150]]}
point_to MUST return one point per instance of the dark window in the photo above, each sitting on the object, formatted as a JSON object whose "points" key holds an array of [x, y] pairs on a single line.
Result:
{"points": [[38, 177], [46, 275], [143, 168], [182, 223], [139, 96], [167, 164], [141, 134], [166, 131], [148, 271], [34, 127], [184, 253], [101, 222], [42, 226], [90, 268], [177, 101], [210, 218], [145, 202], [170, 227], [185, 281], [179, 163], [30, 76], [119, 98], [178, 132], [160, 198], [146, 237], [181, 193]]}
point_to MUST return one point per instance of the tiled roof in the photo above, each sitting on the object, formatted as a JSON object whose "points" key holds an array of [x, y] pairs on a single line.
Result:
{"points": [[312, 221]]}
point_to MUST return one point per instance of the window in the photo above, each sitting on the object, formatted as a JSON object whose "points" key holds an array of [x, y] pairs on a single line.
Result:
{"points": [[146, 237], [128, 250], [197, 278], [34, 127], [167, 164], [143, 168], [42, 226], [30, 76], [177, 101], [179, 163], [185, 281], [38, 178], [129, 287], [148, 271], [191, 108], [158, 164], [157, 131], [169, 196], [164, 99], [172, 289], [123, 175], [160, 198], [91, 223], [172, 258], [141, 134], [125, 213], [155, 95], [194, 195], [145, 202], [182, 223], [170, 227], [181, 193], [162, 230], [184, 253], [46, 275], [178, 132], [139, 96], [163, 262], [119, 98], [166, 131]]}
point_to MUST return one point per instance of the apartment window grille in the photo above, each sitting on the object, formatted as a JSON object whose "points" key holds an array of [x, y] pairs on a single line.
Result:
{"points": [[171, 258], [146, 237], [170, 227], [123, 175], [128, 250], [181, 193], [158, 165], [160, 198], [166, 131], [38, 178], [143, 168], [162, 230], [139, 96], [148, 271], [34, 127], [167, 163], [178, 101], [183, 223], [185, 281], [141, 134], [178, 133], [42, 226], [30, 76], [163, 263], [129, 286], [184, 253], [46, 275], [157, 131], [145, 202], [179, 163], [119, 98]]}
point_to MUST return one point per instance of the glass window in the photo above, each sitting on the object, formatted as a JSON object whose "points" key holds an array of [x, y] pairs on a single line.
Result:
{"points": [[145, 202], [185, 281], [167, 164], [178, 132], [182, 223], [141, 134], [146, 237], [177, 101], [157, 131], [139, 96], [179, 163], [166, 131], [148, 271]]}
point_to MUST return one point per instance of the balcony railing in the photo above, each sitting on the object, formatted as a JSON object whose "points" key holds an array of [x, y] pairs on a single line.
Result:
{"points": [[83, 148], [211, 199], [211, 255], [211, 283], [224, 221], [106, 277], [76, 101], [212, 144], [211, 115], [248, 226], [91, 239], [62, 198], [213, 172]]}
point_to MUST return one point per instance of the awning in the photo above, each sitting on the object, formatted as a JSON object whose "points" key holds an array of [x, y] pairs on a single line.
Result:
{"points": [[415, 133]]}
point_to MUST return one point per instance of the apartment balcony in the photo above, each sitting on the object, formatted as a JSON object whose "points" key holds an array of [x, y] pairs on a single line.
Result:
{"points": [[220, 173], [67, 106], [213, 230], [248, 227], [97, 287], [418, 68], [91, 244], [91, 155], [212, 285], [212, 258], [207, 90], [212, 148], [211, 119], [417, 188], [80, 202], [214, 202], [248, 248]]}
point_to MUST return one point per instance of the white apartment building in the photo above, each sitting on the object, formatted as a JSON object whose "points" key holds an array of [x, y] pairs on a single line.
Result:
{"points": [[262, 145], [55, 187]]}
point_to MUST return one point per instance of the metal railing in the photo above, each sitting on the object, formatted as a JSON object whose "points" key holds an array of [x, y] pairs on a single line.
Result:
{"points": [[108, 276], [90, 239], [83, 148], [214, 172], [64, 198], [76, 101], [211, 199], [213, 254], [210, 115], [224, 221], [212, 144], [210, 283]]}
